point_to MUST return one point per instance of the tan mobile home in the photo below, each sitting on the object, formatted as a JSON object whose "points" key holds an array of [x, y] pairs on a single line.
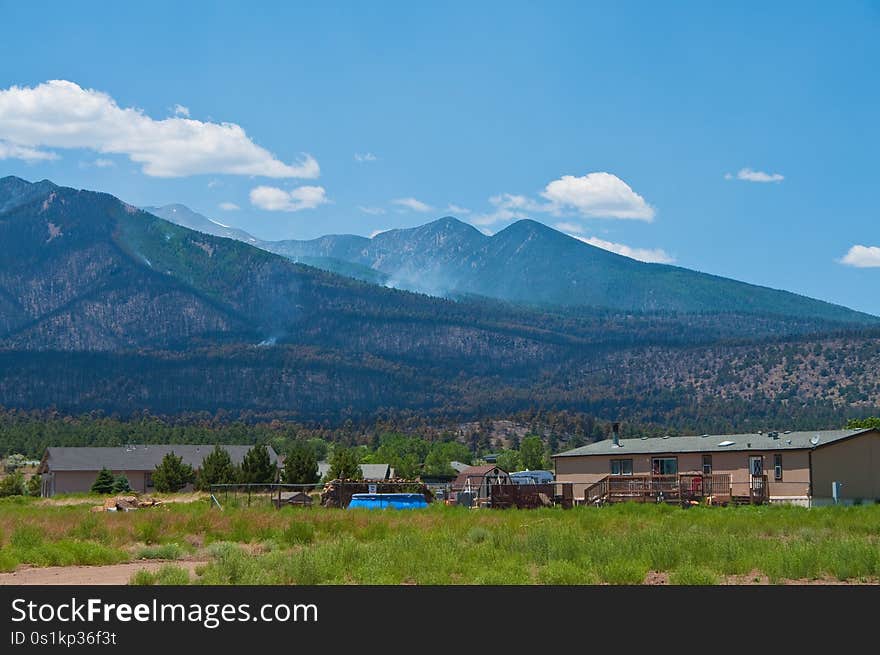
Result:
{"points": [[795, 467]]}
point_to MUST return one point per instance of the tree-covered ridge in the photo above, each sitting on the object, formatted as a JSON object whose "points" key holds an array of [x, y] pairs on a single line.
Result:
{"points": [[105, 307]]}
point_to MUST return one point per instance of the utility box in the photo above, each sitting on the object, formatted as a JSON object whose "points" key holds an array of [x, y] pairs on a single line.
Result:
{"points": [[835, 491]]}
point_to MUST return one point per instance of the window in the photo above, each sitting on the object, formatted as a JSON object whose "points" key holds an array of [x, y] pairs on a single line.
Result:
{"points": [[664, 466], [756, 466], [777, 467], [621, 467], [148, 480], [707, 464]]}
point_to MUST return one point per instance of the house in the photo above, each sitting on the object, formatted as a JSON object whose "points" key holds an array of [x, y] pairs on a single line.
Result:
{"points": [[74, 469], [479, 480], [376, 471], [368, 471], [457, 466], [794, 467]]}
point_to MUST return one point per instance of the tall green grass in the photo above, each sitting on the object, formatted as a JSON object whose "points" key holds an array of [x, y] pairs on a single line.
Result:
{"points": [[620, 544]]}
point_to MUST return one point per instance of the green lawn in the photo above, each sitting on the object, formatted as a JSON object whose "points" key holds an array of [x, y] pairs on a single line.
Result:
{"points": [[448, 545]]}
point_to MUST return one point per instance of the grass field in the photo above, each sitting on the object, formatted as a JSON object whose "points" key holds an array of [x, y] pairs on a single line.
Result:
{"points": [[621, 544]]}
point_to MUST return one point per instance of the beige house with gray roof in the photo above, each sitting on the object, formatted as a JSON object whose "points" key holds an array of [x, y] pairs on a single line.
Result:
{"points": [[795, 467], [74, 469]]}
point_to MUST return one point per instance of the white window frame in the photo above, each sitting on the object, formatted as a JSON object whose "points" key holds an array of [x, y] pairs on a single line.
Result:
{"points": [[654, 460]]}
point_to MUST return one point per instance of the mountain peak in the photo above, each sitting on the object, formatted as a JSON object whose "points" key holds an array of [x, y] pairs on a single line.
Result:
{"points": [[14, 191], [185, 217], [449, 223], [526, 228]]}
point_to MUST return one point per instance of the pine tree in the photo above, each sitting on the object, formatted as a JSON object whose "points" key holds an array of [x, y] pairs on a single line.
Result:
{"points": [[256, 467], [121, 484], [103, 484], [301, 464], [344, 465], [217, 468], [172, 474]]}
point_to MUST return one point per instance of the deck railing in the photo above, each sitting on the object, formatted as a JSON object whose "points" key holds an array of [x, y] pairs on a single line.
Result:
{"points": [[683, 487]]}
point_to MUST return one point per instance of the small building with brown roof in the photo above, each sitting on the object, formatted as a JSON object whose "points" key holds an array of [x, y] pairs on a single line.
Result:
{"points": [[479, 480]]}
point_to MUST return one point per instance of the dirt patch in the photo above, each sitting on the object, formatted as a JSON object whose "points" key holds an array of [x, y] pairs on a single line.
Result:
{"points": [[758, 578], [113, 574], [656, 578]]}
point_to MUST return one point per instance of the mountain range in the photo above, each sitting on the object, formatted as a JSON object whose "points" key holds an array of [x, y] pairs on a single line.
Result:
{"points": [[527, 263], [107, 306]]}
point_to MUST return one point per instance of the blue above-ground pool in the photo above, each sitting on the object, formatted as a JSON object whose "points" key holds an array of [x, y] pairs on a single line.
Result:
{"points": [[388, 501]]}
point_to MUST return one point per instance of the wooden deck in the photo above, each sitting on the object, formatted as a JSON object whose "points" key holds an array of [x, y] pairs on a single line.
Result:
{"points": [[682, 489]]}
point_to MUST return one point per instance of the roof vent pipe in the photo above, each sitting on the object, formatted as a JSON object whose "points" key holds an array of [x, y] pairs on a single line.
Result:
{"points": [[615, 433]]}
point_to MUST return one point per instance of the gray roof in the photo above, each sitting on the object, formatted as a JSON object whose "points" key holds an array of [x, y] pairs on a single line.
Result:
{"points": [[368, 471], [712, 443], [458, 467], [375, 471], [134, 458]]}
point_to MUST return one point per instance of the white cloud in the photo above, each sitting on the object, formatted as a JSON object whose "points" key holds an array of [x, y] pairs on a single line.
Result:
{"points": [[569, 227], [862, 257], [61, 114], [455, 209], [373, 211], [278, 200], [97, 163], [598, 195], [649, 255], [594, 195], [413, 204], [228, 206], [375, 232], [14, 151], [362, 157], [748, 175], [509, 207], [213, 183], [180, 110]]}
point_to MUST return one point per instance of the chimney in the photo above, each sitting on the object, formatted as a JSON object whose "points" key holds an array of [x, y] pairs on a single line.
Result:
{"points": [[615, 433]]}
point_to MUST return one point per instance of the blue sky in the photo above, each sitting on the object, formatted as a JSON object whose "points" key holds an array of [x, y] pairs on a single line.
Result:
{"points": [[740, 140]]}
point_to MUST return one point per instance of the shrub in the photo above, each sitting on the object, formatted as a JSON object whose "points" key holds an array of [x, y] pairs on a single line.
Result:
{"points": [[35, 485], [13, 485], [165, 551], [167, 575], [624, 571], [148, 531], [298, 532], [693, 575], [559, 572]]}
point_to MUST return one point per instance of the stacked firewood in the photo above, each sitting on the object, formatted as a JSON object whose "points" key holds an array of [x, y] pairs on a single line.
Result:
{"points": [[126, 503]]}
